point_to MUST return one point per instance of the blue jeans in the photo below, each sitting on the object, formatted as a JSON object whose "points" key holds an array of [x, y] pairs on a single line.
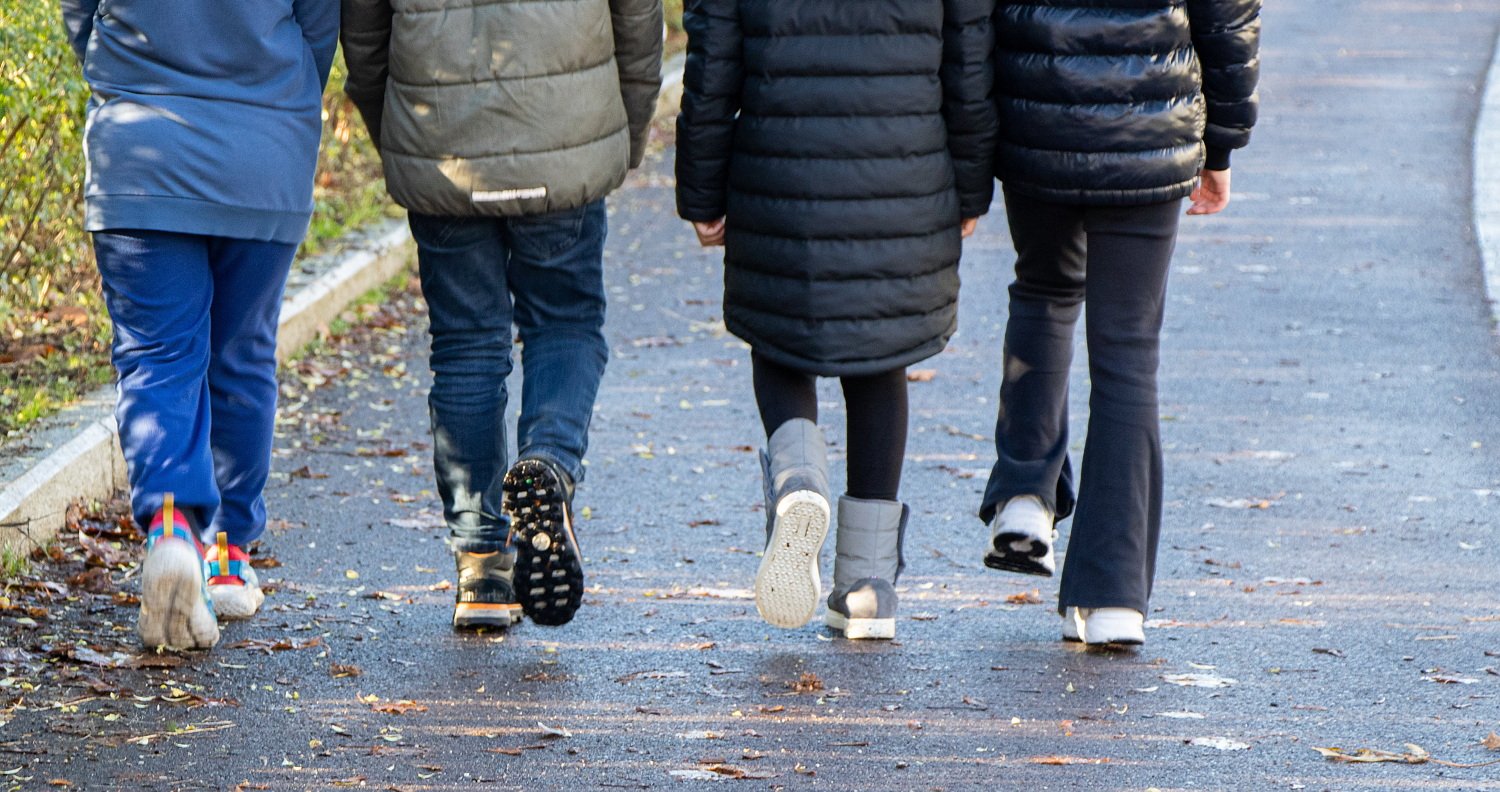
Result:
{"points": [[544, 274], [195, 348]]}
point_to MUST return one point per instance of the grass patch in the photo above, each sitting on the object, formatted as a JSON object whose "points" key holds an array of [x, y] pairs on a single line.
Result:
{"points": [[13, 564]]}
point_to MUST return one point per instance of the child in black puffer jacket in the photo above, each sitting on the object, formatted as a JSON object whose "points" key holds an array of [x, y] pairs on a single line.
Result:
{"points": [[839, 152]]}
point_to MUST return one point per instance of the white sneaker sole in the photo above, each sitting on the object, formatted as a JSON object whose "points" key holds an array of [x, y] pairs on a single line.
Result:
{"points": [[236, 602], [788, 586], [861, 629], [173, 611], [475, 615], [1106, 629]]}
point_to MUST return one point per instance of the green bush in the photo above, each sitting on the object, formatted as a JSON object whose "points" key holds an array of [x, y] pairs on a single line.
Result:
{"points": [[42, 95], [673, 13]]}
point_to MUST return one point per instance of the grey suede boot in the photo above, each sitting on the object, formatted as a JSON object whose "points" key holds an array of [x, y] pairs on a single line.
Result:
{"points": [[863, 602], [795, 470]]}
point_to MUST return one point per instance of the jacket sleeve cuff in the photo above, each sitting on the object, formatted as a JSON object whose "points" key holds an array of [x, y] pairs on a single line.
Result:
{"points": [[698, 214], [1218, 159]]}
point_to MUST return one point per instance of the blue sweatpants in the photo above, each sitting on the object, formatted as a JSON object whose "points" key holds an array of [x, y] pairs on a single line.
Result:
{"points": [[195, 348]]}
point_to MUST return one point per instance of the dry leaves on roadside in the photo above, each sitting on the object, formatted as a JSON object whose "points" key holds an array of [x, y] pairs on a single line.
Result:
{"points": [[1491, 742], [339, 671], [807, 683], [1414, 754], [1032, 597], [282, 645], [401, 707], [921, 375]]}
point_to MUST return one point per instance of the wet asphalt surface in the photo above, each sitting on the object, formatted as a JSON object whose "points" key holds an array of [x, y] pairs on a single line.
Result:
{"points": [[1329, 395]]}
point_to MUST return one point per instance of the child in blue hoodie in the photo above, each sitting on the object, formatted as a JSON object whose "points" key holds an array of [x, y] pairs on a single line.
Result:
{"points": [[201, 143]]}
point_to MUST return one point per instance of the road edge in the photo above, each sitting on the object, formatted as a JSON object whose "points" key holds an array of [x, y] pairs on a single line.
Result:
{"points": [[1487, 185]]}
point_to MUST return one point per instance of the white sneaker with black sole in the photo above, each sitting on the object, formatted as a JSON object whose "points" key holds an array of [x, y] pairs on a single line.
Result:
{"points": [[1021, 540]]}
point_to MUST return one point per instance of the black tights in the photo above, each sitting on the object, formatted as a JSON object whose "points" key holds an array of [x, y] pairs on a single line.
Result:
{"points": [[877, 416]]}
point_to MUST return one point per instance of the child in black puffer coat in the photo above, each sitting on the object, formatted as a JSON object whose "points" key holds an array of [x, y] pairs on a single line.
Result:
{"points": [[839, 152]]}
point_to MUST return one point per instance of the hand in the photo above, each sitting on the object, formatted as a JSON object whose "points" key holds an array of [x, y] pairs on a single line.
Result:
{"points": [[1212, 193], [711, 233], [968, 226]]}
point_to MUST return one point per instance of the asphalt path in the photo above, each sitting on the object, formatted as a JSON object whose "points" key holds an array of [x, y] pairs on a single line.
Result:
{"points": [[1328, 576]]}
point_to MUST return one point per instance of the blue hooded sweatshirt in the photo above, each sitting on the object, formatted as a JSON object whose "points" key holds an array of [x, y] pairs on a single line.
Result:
{"points": [[205, 115]]}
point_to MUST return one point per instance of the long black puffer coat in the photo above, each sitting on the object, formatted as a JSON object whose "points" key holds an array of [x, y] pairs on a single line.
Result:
{"points": [[1113, 101], [844, 141]]}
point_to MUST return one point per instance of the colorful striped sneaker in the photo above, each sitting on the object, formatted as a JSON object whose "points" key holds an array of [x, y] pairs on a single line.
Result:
{"points": [[486, 591], [233, 585], [175, 608], [549, 565]]}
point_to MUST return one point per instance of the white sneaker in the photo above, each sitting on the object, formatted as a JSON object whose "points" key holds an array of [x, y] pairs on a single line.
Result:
{"points": [[175, 609], [233, 586], [1022, 538], [1072, 630], [1106, 626]]}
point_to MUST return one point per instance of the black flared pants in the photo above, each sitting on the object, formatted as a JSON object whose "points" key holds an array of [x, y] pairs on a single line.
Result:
{"points": [[1114, 259]]}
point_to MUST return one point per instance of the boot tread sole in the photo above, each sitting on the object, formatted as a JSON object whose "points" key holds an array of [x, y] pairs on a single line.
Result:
{"points": [[549, 573], [788, 586], [1004, 555]]}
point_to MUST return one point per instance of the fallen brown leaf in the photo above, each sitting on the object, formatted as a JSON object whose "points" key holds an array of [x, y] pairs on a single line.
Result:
{"points": [[921, 375], [1414, 755], [1066, 760], [338, 671], [95, 580], [1491, 742], [1032, 597], [399, 707], [153, 660], [281, 645], [807, 683]]}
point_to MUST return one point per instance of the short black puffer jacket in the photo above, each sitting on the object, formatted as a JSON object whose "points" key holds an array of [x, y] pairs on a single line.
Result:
{"points": [[844, 141], [1113, 101]]}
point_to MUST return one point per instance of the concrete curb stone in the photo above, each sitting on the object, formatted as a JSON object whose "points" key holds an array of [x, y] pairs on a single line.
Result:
{"points": [[76, 453], [1487, 185]]}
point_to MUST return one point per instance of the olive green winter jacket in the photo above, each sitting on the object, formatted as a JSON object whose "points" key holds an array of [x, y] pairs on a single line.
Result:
{"points": [[504, 107]]}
